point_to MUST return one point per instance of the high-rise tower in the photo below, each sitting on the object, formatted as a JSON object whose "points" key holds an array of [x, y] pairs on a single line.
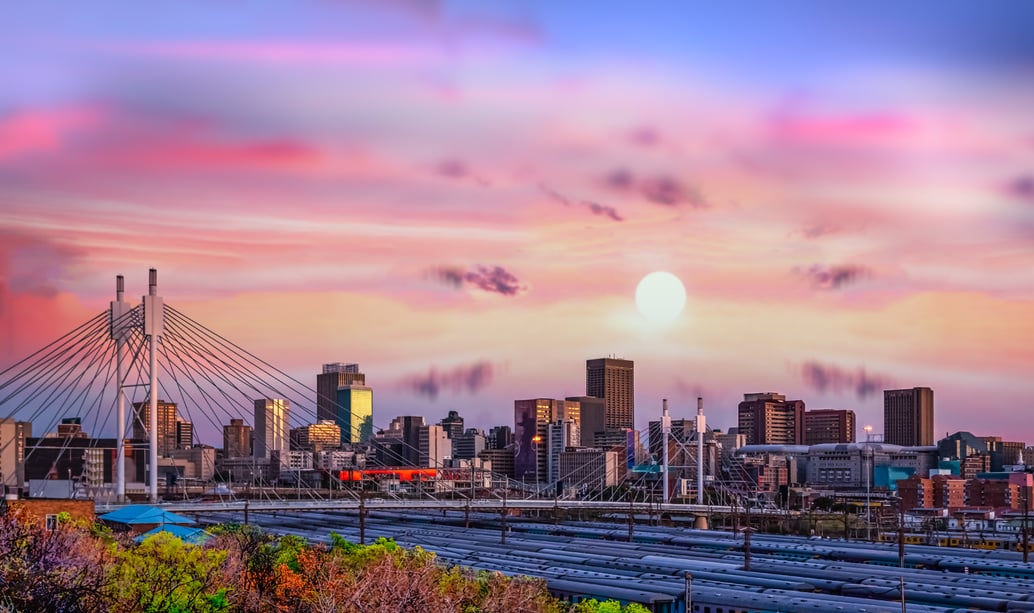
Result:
{"points": [[167, 418], [908, 416], [342, 397], [271, 426], [614, 381]]}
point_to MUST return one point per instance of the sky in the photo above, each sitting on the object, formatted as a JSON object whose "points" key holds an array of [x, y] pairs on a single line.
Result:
{"points": [[462, 196]]}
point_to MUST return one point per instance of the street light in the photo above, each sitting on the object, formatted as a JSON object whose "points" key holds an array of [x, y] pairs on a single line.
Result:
{"points": [[535, 440], [868, 451]]}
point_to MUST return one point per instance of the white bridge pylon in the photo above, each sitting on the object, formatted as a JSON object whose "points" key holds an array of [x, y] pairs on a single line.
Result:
{"points": [[122, 324]]}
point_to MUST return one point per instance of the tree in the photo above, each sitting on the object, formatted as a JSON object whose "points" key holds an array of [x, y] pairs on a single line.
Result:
{"points": [[165, 574], [56, 570]]}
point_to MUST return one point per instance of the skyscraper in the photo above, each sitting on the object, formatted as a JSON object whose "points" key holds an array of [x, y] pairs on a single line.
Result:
{"points": [[908, 416], [614, 381], [167, 419], [271, 426], [593, 417], [355, 413], [771, 419], [342, 397], [531, 436]]}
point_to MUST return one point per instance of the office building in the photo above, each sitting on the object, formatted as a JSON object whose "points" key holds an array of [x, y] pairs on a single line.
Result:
{"points": [[167, 419], [501, 461], [593, 417], [585, 471], [434, 447], [613, 380], [561, 435], [184, 434], [316, 437], [344, 398], [453, 425], [531, 421], [468, 445], [12, 451], [500, 437], [908, 417], [829, 426], [236, 439], [771, 419], [271, 433]]}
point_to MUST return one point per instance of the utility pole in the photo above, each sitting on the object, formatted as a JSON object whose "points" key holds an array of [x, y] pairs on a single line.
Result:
{"points": [[901, 536], [362, 510], [746, 540], [689, 591], [631, 517], [1025, 531], [502, 517]]}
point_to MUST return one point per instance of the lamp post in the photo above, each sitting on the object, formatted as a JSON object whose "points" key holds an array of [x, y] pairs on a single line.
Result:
{"points": [[868, 471], [535, 440]]}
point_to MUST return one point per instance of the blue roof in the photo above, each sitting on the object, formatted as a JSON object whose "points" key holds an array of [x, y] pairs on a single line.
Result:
{"points": [[192, 536], [145, 514]]}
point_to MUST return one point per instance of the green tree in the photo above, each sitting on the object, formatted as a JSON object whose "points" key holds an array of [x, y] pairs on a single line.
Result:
{"points": [[165, 574]]}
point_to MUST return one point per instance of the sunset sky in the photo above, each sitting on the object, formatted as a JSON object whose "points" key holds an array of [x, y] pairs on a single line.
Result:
{"points": [[462, 196]]}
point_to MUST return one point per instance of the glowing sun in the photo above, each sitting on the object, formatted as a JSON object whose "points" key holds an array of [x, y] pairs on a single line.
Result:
{"points": [[660, 296]]}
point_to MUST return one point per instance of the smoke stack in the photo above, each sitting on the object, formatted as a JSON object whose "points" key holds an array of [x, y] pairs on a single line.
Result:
{"points": [[700, 405], [120, 287], [152, 283]]}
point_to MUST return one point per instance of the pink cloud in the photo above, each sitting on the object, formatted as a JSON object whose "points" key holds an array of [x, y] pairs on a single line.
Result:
{"points": [[284, 52], [42, 130], [841, 130], [214, 154]]}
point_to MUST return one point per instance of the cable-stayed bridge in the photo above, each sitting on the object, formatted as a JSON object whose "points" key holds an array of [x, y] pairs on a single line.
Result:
{"points": [[113, 373]]}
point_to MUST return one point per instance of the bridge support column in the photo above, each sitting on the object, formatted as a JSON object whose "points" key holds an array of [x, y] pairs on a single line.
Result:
{"points": [[119, 333], [154, 327]]}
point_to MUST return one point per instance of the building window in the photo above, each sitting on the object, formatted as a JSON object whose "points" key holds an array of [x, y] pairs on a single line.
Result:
{"points": [[51, 522]]}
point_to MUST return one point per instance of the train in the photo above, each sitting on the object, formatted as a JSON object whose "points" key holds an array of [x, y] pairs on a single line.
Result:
{"points": [[979, 540]]}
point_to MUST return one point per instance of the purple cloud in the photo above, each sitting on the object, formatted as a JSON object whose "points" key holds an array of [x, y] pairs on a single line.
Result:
{"points": [[660, 189], [451, 168], [594, 207], [823, 377], [833, 277], [467, 378], [1022, 188], [493, 279], [645, 136]]}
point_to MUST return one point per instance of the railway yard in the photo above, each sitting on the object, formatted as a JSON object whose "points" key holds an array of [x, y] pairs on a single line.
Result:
{"points": [[777, 573]]}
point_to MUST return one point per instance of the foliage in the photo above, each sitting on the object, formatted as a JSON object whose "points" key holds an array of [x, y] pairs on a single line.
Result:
{"points": [[165, 574], [79, 568], [608, 606], [56, 570]]}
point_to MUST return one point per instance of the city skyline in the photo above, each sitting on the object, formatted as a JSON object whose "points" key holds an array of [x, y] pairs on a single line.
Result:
{"points": [[463, 198]]}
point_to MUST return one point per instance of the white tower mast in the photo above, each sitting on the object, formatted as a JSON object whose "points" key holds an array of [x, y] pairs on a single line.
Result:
{"points": [[701, 427], [154, 327], [666, 431], [119, 332]]}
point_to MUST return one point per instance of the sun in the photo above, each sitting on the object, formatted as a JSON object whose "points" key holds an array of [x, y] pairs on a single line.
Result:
{"points": [[660, 296]]}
